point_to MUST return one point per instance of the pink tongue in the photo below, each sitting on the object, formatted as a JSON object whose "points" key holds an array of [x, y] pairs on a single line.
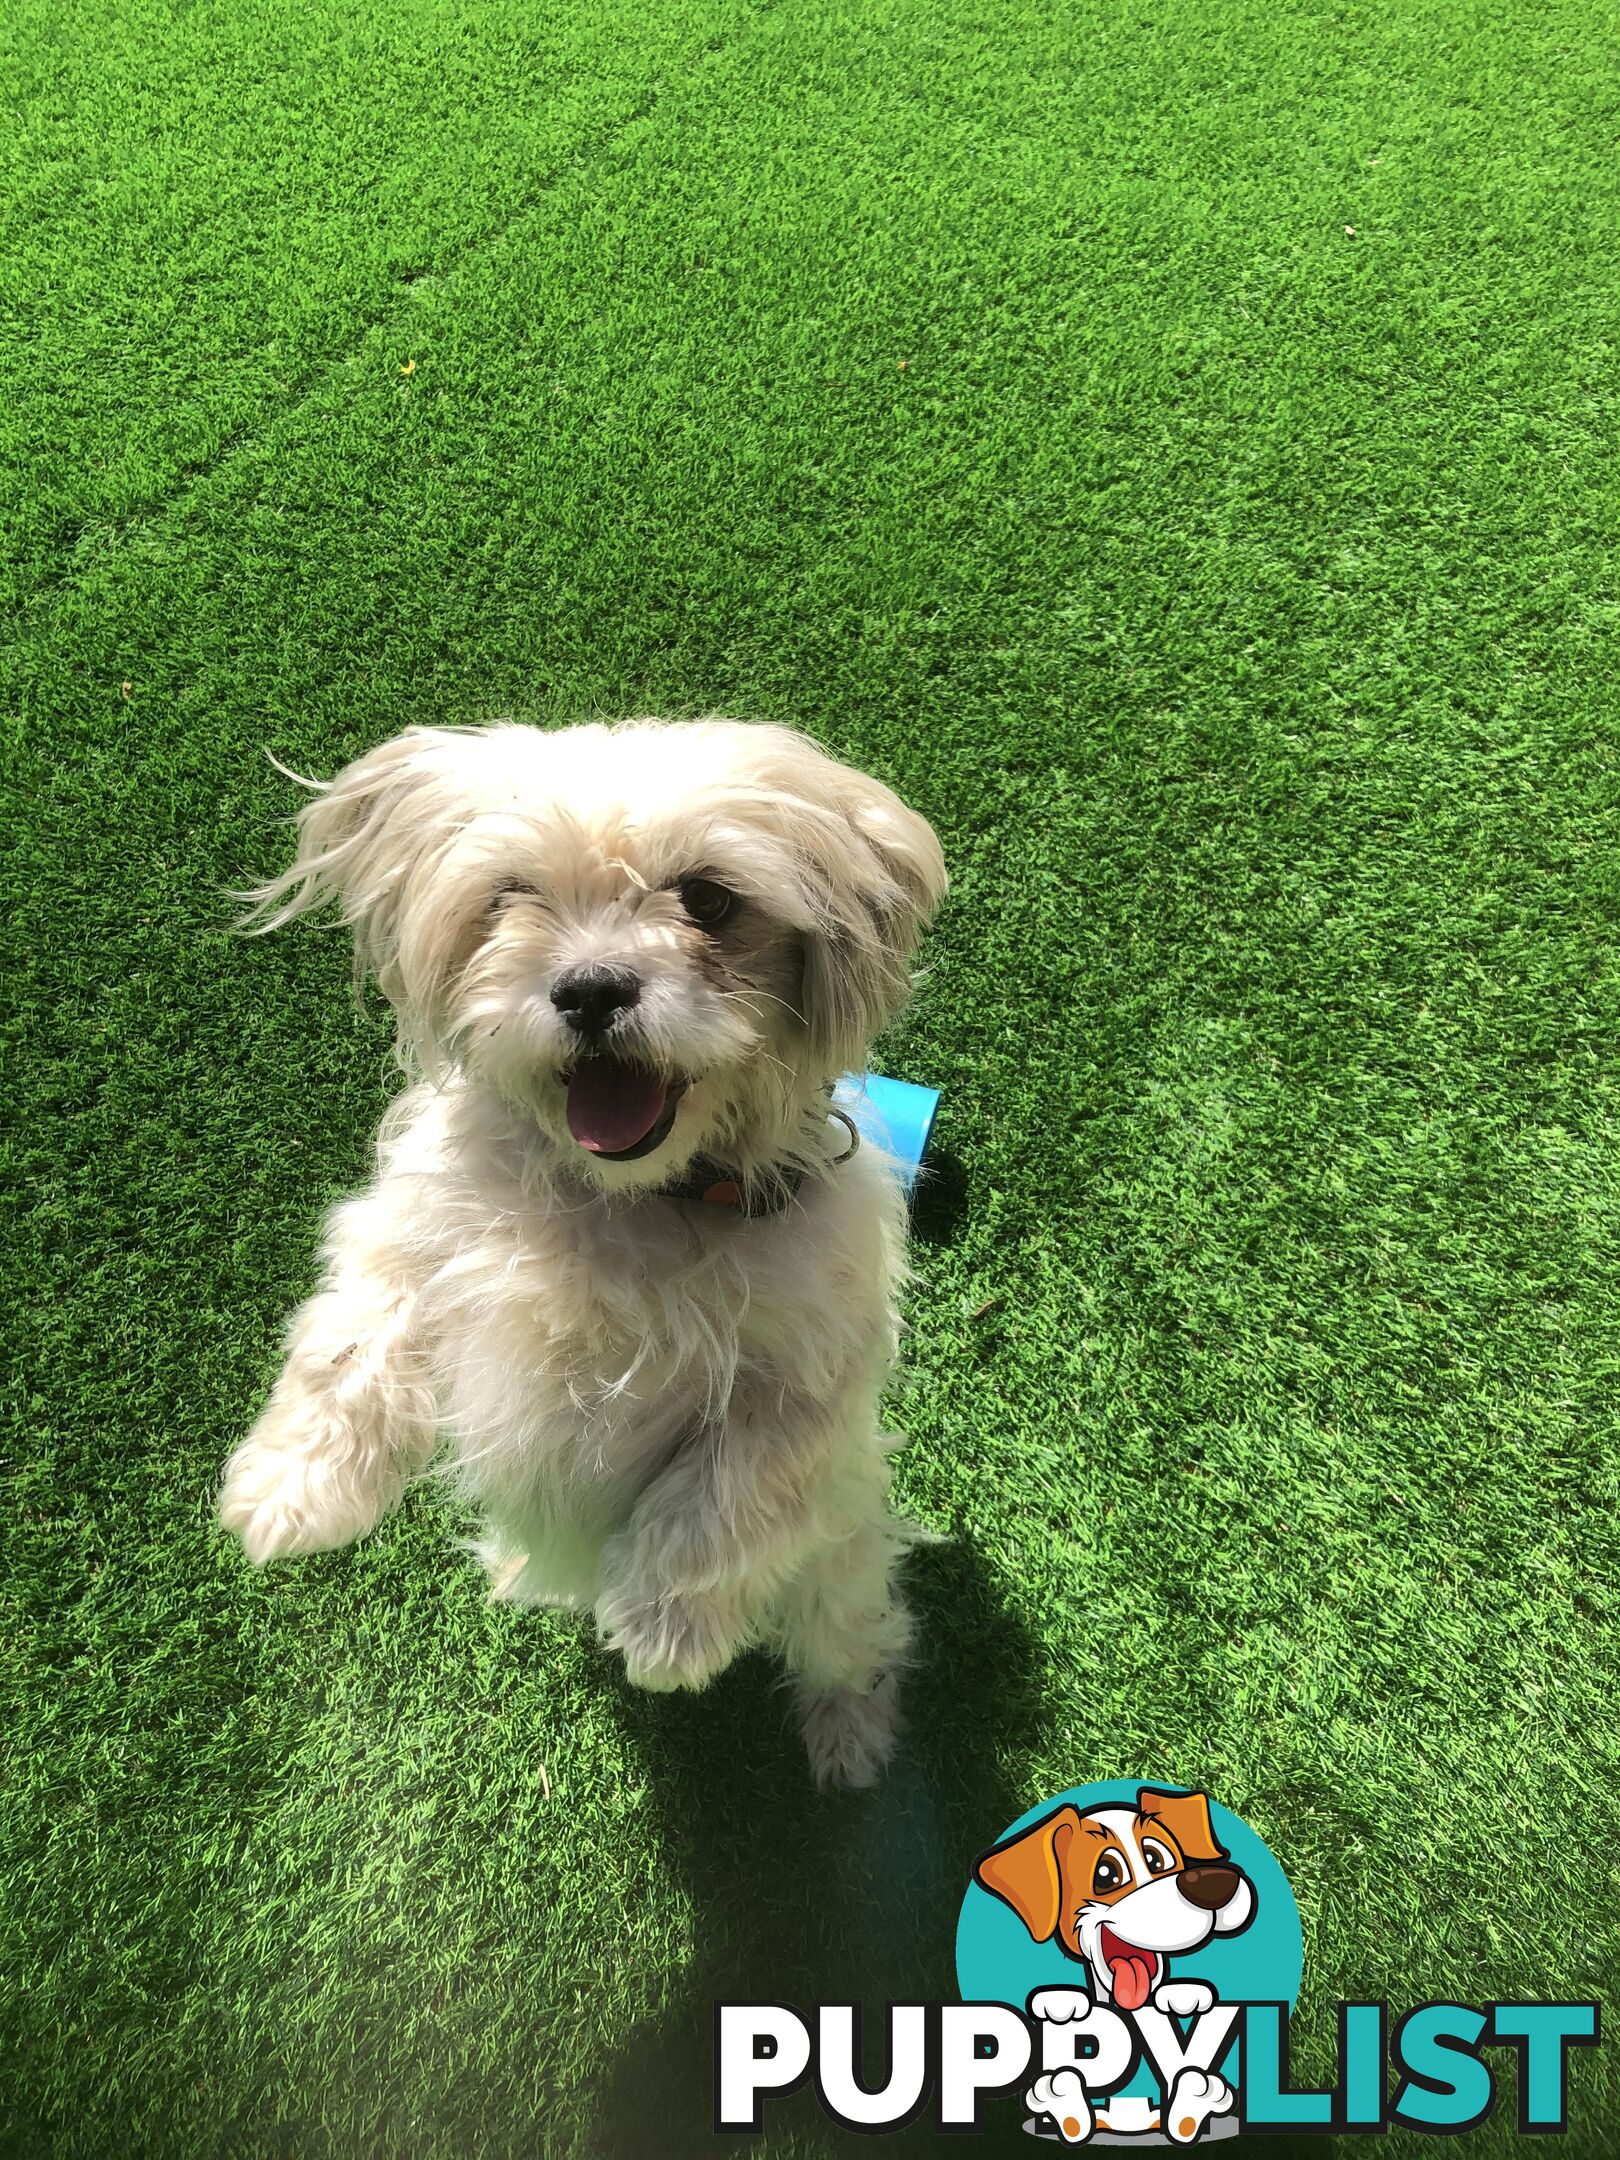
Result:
{"points": [[1132, 1976], [612, 1106]]}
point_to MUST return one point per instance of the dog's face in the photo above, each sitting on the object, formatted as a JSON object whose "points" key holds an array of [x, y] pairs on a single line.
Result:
{"points": [[1122, 1888], [656, 939]]}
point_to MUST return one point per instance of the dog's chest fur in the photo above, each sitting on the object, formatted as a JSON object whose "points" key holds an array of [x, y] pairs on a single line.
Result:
{"points": [[577, 1343]]}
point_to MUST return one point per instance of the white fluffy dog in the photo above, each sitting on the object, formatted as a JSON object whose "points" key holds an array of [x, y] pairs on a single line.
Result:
{"points": [[617, 1251]]}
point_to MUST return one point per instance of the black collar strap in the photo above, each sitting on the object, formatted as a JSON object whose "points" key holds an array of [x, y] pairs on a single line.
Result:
{"points": [[772, 1193]]}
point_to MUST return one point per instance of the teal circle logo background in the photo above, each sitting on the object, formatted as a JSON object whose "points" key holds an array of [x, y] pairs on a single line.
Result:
{"points": [[997, 1961]]}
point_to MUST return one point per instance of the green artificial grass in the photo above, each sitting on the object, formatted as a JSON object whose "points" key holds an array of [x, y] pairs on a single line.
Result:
{"points": [[1176, 447]]}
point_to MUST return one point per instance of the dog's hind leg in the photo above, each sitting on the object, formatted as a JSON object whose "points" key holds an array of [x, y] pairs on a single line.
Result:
{"points": [[351, 1416]]}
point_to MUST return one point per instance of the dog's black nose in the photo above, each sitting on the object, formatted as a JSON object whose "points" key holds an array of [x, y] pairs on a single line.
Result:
{"points": [[591, 998], [1208, 1887]]}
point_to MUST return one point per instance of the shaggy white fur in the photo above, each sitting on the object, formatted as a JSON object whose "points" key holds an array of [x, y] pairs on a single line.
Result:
{"points": [[666, 1409]]}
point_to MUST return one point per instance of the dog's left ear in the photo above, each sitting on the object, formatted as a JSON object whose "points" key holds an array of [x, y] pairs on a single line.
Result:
{"points": [[1186, 1817], [877, 873]]}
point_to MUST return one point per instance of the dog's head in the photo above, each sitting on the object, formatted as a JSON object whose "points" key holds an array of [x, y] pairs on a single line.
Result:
{"points": [[1122, 1888], [659, 939]]}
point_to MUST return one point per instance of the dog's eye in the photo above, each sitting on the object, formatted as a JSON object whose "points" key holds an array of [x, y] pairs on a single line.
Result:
{"points": [[707, 903], [1108, 1875], [1159, 1862], [511, 889]]}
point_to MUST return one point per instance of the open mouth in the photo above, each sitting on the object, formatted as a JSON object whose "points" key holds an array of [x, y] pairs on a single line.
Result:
{"points": [[620, 1112], [1131, 1970]]}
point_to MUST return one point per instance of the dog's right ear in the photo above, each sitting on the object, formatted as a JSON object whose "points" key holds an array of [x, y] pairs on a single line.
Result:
{"points": [[1027, 1871], [359, 843]]}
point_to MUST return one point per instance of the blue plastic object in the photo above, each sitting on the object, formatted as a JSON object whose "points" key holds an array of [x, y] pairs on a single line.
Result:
{"points": [[895, 1115]]}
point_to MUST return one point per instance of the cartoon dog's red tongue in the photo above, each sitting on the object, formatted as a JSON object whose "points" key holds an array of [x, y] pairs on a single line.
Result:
{"points": [[1130, 1969], [612, 1105]]}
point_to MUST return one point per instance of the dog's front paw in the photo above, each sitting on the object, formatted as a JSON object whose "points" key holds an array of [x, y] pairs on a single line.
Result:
{"points": [[668, 1639], [1059, 2006], [1183, 1998], [286, 1492], [686, 1547]]}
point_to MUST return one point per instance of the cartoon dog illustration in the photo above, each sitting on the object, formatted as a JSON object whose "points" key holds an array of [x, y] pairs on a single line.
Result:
{"points": [[1122, 1889]]}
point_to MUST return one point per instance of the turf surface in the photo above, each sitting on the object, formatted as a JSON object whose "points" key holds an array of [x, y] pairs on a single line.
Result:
{"points": [[1176, 447]]}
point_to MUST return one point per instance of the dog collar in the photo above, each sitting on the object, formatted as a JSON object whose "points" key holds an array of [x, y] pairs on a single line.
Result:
{"points": [[772, 1193]]}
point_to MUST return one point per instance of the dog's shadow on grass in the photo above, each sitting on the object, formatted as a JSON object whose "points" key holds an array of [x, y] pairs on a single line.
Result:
{"points": [[940, 1204], [803, 1897]]}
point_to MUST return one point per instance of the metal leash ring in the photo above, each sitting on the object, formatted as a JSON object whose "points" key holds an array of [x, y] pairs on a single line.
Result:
{"points": [[854, 1132]]}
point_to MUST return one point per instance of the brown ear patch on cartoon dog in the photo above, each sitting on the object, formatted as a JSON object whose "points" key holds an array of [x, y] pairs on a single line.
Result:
{"points": [[1027, 1872], [1186, 1817]]}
